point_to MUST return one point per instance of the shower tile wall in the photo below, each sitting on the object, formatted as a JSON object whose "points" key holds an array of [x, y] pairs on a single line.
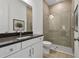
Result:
{"points": [[59, 29]]}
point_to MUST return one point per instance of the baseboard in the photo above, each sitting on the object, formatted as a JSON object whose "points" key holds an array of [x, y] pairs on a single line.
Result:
{"points": [[62, 49]]}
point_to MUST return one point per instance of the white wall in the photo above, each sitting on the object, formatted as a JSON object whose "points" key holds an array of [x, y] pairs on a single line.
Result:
{"points": [[3, 16], [37, 16]]}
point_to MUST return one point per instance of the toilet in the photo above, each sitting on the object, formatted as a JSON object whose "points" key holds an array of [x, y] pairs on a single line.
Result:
{"points": [[47, 46]]}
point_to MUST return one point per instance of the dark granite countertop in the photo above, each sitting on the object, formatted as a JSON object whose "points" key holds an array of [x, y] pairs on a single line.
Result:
{"points": [[15, 39]]}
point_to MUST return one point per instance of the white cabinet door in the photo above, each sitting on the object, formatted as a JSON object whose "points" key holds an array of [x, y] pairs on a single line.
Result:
{"points": [[25, 53], [3, 16], [31, 51], [5, 51], [37, 50]]}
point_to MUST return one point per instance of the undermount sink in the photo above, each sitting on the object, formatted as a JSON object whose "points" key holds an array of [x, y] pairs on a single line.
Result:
{"points": [[24, 37]]}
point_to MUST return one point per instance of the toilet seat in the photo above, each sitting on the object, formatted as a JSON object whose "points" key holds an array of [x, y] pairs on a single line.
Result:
{"points": [[47, 46], [47, 42]]}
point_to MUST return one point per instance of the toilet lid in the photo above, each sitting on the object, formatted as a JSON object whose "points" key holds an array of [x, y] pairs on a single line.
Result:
{"points": [[47, 42]]}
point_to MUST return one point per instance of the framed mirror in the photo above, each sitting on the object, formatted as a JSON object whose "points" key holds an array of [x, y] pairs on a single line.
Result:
{"points": [[12, 11]]}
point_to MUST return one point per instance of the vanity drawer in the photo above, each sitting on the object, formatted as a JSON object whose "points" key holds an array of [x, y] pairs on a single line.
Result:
{"points": [[31, 42], [5, 51]]}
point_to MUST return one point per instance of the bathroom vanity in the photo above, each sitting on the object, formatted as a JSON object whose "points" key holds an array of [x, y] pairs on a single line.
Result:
{"points": [[13, 46], [23, 47]]}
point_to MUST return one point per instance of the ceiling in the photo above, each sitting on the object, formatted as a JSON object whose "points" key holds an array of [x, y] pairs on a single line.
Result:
{"points": [[51, 2]]}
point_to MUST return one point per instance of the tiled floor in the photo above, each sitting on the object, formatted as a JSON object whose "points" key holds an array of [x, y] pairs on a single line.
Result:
{"points": [[55, 54]]}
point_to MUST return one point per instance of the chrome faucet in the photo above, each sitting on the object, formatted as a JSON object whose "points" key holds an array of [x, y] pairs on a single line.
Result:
{"points": [[20, 34]]}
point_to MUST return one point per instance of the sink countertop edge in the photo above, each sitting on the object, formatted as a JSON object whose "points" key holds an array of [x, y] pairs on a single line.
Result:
{"points": [[4, 44]]}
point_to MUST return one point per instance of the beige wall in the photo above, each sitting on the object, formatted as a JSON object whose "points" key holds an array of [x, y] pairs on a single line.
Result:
{"points": [[59, 29], [45, 19], [72, 25]]}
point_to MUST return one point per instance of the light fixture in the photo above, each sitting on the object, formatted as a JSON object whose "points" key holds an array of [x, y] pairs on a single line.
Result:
{"points": [[29, 2], [51, 16], [25, 1]]}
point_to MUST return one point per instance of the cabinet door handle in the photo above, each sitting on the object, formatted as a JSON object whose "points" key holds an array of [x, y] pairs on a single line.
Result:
{"points": [[32, 51], [40, 38], [11, 49], [29, 52]]}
